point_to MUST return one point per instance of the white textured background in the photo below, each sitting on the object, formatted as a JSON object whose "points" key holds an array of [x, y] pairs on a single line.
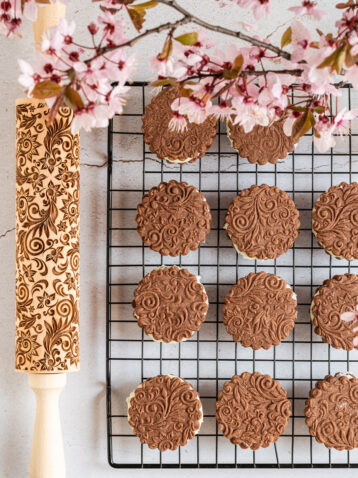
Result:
{"points": [[83, 400]]}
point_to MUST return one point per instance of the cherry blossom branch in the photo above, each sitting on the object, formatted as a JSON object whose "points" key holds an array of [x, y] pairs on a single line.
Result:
{"points": [[134, 40], [241, 84], [225, 31]]}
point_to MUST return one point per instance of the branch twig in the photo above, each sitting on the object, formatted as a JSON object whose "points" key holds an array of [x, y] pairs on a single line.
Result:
{"points": [[216, 28]]}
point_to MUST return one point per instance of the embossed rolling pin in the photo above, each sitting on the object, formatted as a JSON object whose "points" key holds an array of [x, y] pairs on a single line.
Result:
{"points": [[47, 262]]}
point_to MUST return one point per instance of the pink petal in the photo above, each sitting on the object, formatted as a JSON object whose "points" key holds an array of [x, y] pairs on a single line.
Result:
{"points": [[348, 316]]}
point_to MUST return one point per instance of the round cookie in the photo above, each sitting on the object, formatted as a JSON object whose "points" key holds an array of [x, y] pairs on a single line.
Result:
{"points": [[262, 222], [252, 410], [260, 310], [165, 412], [335, 221], [263, 144], [174, 146], [170, 304], [332, 411], [173, 218], [334, 311]]}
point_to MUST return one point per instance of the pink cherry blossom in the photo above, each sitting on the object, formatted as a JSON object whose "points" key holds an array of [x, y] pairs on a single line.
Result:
{"points": [[342, 120], [324, 139], [191, 107], [27, 77], [259, 7], [301, 38], [349, 316], [221, 111], [308, 8], [117, 99], [178, 123], [30, 10], [55, 38]]}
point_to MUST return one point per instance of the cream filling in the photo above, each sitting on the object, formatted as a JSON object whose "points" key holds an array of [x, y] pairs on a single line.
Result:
{"points": [[178, 161], [132, 394], [198, 278], [347, 374]]}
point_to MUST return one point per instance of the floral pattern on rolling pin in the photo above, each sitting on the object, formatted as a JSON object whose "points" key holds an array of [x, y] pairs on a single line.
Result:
{"points": [[47, 240]]}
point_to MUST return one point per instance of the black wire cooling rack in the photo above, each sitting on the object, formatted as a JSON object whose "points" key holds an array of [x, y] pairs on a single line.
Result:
{"points": [[211, 357]]}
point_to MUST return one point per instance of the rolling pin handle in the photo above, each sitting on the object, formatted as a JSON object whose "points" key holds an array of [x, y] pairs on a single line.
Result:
{"points": [[47, 455]]}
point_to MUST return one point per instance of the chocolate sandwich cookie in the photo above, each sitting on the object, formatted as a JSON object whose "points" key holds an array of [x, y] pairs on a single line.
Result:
{"points": [[262, 222], [260, 310], [332, 411], [173, 218], [252, 410], [334, 311], [175, 146], [170, 304], [263, 144], [335, 221], [165, 412]]}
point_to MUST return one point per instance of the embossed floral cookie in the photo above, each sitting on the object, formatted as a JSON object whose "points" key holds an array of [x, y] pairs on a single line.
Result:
{"points": [[252, 410], [165, 412], [170, 304], [175, 146], [335, 221], [173, 218], [334, 311], [260, 310], [332, 411], [263, 144], [262, 222]]}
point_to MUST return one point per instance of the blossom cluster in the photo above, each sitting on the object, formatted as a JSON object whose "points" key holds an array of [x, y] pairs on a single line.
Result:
{"points": [[251, 85], [13, 11], [81, 76]]}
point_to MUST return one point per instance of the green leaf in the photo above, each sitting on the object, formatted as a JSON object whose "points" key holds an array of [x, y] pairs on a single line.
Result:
{"points": [[230, 74], [167, 49], [164, 82], [237, 65], [335, 60], [46, 89], [187, 38], [186, 92], [286, 37], [300, 109], [137, 17], [302, 124], [73, 99], [137, 13], [345, 5], [146, 5]]}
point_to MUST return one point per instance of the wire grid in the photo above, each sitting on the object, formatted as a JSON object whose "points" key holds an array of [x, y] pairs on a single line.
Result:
{"points": [[211, 357]]}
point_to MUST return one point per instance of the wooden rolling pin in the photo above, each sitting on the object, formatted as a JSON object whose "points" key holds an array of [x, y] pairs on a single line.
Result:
{"points": [[47, 261]]}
